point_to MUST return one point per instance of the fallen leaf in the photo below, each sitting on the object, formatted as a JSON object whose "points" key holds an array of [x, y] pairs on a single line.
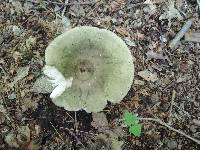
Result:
{"points": [[129, 42], [29, 104], [122, 31], [144, 92], [138, 82], [30, 42], [147, 75], [43, 85], [170, 13], [17, 6], [28, 6], [151, 6], [117, 4], [23, 134], [135, 101], [11, 140], [192, 37], [16, 30], [77, 10], [151, 54], [21, 73]]}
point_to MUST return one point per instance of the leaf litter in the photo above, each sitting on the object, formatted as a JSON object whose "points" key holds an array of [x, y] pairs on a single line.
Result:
{"points": [[138, 24]]}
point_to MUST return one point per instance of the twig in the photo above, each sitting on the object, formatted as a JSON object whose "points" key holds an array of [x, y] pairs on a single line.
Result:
{"points": [[65, 4], [145, 3], [76, 3], [71, 133], [172, 104], [64, 9], [57, 131], [75, 122], [181, 33], [171, 128], [183, 111]]}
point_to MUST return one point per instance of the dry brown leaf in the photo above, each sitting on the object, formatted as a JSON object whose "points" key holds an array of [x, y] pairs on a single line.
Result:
{"points": [[170, 13], [117, 4], [135, 101], [23, 135], [22, 72], [122, 31], [29, 104], [144, 92], [32, 146]]}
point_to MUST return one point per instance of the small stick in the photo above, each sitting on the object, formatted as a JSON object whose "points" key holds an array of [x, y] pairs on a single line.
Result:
{"points": [[171, 128], [71, 133], [65, 4], [181, 33], [172, 104], [57, 131]]}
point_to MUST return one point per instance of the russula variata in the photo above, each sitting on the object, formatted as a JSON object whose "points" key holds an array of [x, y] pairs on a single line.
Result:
{"points": [[93, 66]]}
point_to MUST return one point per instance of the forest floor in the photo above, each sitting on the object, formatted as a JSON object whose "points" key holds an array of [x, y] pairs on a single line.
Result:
{"points": [[166, 85]]}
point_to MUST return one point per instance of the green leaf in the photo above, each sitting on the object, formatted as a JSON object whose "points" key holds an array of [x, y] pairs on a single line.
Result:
{"points": [[129, 119], [135, 129]]}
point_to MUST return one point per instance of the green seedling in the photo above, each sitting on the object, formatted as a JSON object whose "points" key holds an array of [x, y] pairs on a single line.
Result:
{"points": [[132, 123]]}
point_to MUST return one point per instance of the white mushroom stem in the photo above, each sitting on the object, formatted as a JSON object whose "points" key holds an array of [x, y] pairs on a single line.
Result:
{"points": [[58, 81]]}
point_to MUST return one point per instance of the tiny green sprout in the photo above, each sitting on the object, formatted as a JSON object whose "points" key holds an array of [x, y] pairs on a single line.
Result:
{"points": [[129, 119], [135, 129], [132, 122]]}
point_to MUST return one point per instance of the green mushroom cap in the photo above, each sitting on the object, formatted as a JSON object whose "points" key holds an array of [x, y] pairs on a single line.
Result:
{"points": [[99, 62]]}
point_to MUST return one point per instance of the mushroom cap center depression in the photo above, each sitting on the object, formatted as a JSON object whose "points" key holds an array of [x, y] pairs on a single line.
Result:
{"points": [[84, 69]]}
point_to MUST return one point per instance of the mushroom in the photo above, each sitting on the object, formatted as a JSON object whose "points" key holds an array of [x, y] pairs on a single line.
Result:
{"points": [[88, 66]]}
